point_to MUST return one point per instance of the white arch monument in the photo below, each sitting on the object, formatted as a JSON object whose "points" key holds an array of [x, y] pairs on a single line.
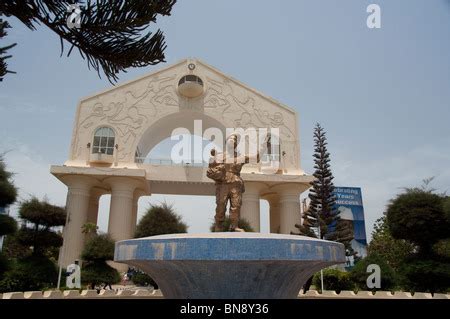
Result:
{"points": [[116, 128]]}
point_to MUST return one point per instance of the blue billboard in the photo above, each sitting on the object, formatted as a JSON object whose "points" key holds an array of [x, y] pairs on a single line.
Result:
{"points": [[350, 206]]}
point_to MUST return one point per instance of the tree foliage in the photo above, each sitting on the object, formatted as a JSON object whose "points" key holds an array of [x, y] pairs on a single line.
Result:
{"points": [[333, 279], [242, 224], [99, 248], [97, 251], [140, 278], [89, 230], [42, 213], [97, 273], [322, 210], [322, 213], [342, 232], [13, 249], [114, 35], [426, 274], [421, 217], [159, 220], [393, 251], [5, 264], [442, 248], [446, 207], [39, 239], [359, 274], [8, 192], [40, 217], [30, 273], [310, 221], [8, 225], [418, 216], [3, 57]]}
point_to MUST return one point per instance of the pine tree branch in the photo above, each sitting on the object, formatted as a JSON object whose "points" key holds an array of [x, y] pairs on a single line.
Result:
{"points": [[3, 57], [113, 35]]}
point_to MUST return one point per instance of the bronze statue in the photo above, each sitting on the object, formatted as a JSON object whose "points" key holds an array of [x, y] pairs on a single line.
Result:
{"points": [[225, 169]]}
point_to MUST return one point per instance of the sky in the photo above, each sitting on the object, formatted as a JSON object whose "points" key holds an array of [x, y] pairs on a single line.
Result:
{"points": [[382, 95]]}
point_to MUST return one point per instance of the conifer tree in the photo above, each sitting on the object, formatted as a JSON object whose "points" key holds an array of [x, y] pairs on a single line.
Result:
{"points": [[322, 211], [309, 222], [322, 199]]}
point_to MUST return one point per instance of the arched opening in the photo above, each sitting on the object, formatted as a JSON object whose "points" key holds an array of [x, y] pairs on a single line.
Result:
{"points": [[193, 128], [156, 147], [194, 151]]}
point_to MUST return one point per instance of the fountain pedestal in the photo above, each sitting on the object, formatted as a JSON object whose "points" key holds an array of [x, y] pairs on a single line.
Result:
{"points": [[229, 265]]}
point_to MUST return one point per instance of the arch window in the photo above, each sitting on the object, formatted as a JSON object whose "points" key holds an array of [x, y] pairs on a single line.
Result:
{"points": [[103, 141]]}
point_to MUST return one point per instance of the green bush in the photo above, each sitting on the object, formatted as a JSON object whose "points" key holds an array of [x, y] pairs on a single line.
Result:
{"points": [[243, 224], [142, 279], [42, 216], [358, 275], [13, 249], [4, 264], [95, 270], [442, 248], [99, 247], [8, 192], [42, 213], [419, 216], [8, 225], [30, 273], [159, 220], [40, 239], [99, 272], [426, 275], [333, 279]]}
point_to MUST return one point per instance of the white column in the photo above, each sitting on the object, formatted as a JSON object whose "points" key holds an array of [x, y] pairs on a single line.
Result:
{"points": [[121, 212], [250, 209], [289, 212], [77, 207], [274, 204], [93, 207], [134, 211], [289, 206], [121, 209], [92, 215]]}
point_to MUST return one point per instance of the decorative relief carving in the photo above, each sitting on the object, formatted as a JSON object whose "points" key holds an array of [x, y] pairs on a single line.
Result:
{"points": [[128, 110], [243, 109], [133, 108]]}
